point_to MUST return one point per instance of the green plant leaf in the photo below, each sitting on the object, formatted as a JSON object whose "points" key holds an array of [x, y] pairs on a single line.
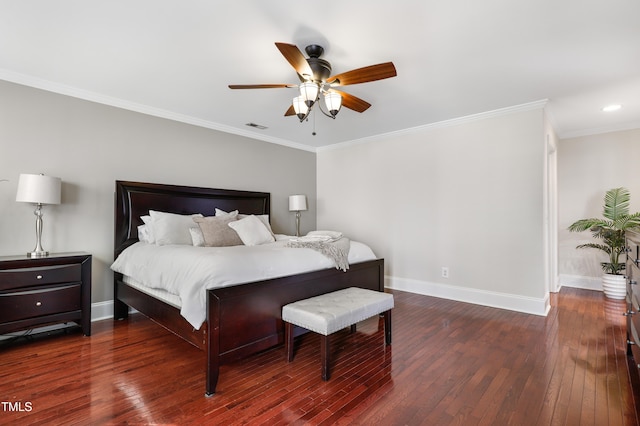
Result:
{"points": [[584, 224], [616, 203], [602, 247]]}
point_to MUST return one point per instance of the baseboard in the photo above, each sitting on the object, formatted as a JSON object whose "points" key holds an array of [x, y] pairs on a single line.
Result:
{"points": [[528, 305], [101, 310], [577, 281], [104, 310]]}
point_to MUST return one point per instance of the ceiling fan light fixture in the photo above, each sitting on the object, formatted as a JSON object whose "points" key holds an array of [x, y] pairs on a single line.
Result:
{"points": [[309, 92], [333, 101], [300, 107]]}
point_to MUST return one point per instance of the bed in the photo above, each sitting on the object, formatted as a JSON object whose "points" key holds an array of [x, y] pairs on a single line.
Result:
{"points": [[241, 320]]}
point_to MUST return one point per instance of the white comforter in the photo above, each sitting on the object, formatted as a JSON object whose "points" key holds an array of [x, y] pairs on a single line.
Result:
{"points": [[188, 271]]}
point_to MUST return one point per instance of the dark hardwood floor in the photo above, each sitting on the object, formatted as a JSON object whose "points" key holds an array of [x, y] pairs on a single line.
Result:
{"points": [[450, 363]]}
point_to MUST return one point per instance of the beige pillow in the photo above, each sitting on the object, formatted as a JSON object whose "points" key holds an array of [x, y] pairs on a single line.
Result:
{"points": [[216, 231]]}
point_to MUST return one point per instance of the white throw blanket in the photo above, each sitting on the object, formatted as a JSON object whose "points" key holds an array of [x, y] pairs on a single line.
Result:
{"points": [[330, 243]]}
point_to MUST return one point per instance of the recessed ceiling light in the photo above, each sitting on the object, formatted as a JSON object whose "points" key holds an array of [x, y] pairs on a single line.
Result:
{"points": [[613, 107]]}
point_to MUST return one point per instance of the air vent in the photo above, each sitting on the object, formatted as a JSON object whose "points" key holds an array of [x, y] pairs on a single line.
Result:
{"points": [[257, 126]]}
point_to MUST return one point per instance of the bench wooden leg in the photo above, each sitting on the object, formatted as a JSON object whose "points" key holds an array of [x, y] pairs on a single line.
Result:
{"points": [[288, 338], [324, 355], [387, 327]]}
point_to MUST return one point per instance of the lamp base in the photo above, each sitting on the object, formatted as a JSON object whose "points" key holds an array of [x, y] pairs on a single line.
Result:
{"points": [[38, 251], [38, 254]]}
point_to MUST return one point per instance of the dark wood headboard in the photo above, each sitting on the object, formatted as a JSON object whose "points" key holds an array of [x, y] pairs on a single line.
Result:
{"points": [[135, 199]]}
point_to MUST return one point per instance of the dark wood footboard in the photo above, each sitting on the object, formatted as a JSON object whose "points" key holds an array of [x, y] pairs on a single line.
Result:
{"points": [[246, 319]]}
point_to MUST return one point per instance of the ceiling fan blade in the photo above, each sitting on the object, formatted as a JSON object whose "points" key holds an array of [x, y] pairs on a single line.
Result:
{"points": [[295, 57], [290, 111], [353, 102], [364, 75], [260, 86]]}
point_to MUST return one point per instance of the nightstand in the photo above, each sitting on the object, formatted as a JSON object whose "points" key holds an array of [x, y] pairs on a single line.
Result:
{"points": [[39, 291]]}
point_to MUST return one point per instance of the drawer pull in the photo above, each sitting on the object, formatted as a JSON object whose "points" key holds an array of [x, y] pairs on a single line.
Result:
{"points": [[629, 313], [629, 342], [39, 277], [633, 282], [38, 303]]}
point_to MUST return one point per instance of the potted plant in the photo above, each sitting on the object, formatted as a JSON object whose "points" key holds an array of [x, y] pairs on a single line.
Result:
{"points": [[611, 230]]}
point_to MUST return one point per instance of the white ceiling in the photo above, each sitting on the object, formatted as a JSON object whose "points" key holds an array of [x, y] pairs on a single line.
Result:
{"points": [[454, 58]]}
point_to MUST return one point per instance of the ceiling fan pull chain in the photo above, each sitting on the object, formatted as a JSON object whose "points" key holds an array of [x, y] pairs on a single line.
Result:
{"points": [[314, 124]]}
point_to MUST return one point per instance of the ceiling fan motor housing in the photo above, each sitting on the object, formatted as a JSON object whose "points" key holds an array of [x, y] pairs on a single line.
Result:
{"points": [[321, 68]]}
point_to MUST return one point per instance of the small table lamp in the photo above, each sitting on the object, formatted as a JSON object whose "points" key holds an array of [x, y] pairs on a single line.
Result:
{"points": [[39, 190], [297, 203]]}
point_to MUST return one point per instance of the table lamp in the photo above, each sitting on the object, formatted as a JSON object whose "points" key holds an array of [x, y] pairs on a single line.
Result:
{"points": [[38, 190]]}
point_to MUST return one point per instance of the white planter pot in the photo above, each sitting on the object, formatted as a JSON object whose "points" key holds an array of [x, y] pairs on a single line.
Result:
{"points": [[614, 286]]}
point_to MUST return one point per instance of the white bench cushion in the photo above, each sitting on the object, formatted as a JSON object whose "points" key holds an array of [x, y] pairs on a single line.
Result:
{"points": [[328, 313]]}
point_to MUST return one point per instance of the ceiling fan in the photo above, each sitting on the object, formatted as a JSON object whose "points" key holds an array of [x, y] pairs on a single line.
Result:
{"points": [[316, 80]]}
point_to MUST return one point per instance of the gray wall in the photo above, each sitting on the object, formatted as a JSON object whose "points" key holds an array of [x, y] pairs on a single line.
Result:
{"points": [[90, 146], [467, 195]]}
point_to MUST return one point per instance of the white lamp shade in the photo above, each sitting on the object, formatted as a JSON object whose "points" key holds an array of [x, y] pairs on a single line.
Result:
{"points": [[297, 203], [333, 101], [299, 106], [309, 92], [38, 189]]}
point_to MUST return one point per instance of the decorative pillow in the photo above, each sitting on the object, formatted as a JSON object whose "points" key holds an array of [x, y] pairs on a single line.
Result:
{"points": [[264, 218], [171, 228], [216, 231], [196, 237], [252, 231]]}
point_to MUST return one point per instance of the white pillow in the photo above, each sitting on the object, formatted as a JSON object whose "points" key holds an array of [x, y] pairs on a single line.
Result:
{"points": [[252, 231], [263, 217], [197, 238], [171, 228], [143, 234], [146, 236], [223, 213]]}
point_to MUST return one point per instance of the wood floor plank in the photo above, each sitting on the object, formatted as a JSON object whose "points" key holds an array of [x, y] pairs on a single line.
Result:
{"points": [[450, 363]]}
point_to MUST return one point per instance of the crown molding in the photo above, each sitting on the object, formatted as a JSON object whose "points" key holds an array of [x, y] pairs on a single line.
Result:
{"points": [[62, 89], [441, 124], [632, 125], [86, 95]]}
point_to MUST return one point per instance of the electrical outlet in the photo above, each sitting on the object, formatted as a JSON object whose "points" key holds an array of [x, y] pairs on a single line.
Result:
{"points": [[445, 272]]}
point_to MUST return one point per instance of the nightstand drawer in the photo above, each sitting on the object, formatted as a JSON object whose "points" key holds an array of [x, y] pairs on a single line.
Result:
{"points": [[30, 277], [34, 303]]}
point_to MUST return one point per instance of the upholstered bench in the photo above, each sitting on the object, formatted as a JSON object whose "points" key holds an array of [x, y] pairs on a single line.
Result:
{"points": [[328, 313]]}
